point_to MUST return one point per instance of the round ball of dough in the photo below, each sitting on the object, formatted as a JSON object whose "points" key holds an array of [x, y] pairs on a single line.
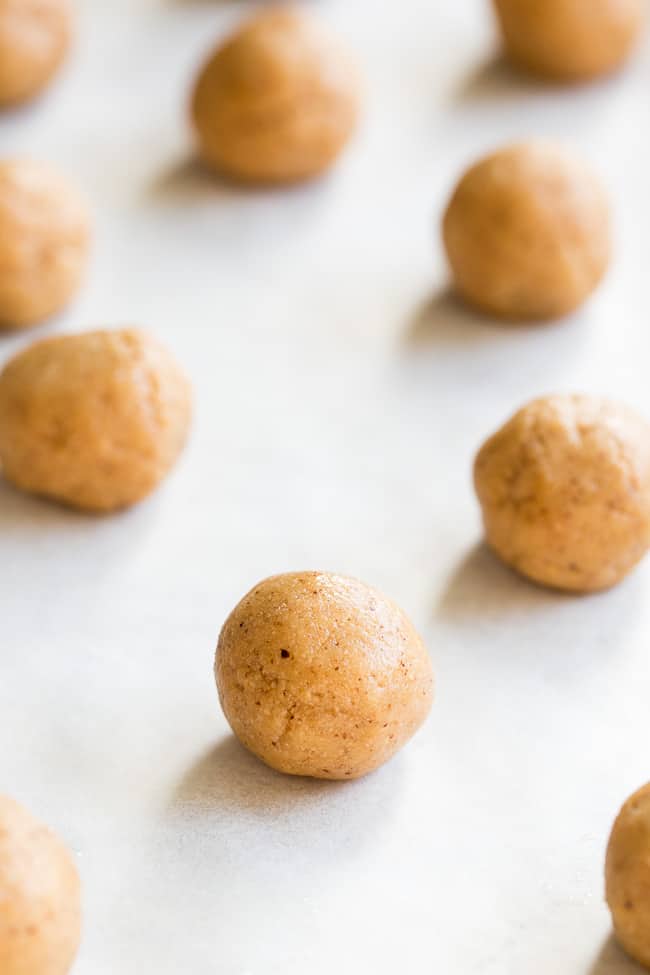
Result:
{"points": [[570, 40], [320, 675], [40, 902], [565, 491], [277, 102], [44, 243], [627, 876], [93, 420], [35, 37], [527, 232]]}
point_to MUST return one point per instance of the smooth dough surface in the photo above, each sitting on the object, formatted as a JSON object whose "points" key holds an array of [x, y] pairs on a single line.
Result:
{"points": [[565, 491], [570, 40], [321, 675], [92, 420], [40, 901], [627, 876], [44, 243], [35, 36], [527, 232], [278, 101]]}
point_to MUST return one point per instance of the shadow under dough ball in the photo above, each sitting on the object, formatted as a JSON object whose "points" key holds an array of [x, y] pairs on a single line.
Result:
{"points": [[35, 37], [627, 876], [570, 40], [44, 243], [95, 420], [320, 675], [565, 491], [527, 232], [277, 102], [40, 900]]}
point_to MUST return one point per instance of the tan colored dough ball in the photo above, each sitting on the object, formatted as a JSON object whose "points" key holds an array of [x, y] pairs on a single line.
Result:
{"points": [[278, 101], [95, 420], [570, 40], [320, 675], [627, 876], [565, 491], [35, 37], [527, 233], [44, 243], [40, 900]]}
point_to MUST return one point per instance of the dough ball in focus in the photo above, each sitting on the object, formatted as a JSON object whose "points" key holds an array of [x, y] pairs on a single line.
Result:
{"points": [[565, 491], [570, 40], [627, 874], [527, 232], [40, 901], [320, 675], [44, 243], [35, 37], [93, 420], [278, 101]]}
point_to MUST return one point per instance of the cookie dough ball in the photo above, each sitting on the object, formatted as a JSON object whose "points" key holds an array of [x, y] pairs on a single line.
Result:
{"points": [[277, 102], [565, 491], [40, 910], [35, 36], [44, 243], [527, 233], [570, 40], [627, 875], [321, 675], [93, 420]]}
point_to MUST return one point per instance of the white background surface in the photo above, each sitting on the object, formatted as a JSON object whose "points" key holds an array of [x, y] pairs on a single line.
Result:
{"points": [[340, 396]]}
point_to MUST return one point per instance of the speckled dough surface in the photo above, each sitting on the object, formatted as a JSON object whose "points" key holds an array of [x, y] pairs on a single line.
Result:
{"points": [[570, 40], [93, 420], [527, 232], [40, 902], [627, 875], [34, 39], [320, 675], [565, 491], [278, 101], [44, 242]]}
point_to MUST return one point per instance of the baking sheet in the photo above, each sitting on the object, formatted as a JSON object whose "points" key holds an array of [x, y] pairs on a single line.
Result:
{"points": [[341, 394]]}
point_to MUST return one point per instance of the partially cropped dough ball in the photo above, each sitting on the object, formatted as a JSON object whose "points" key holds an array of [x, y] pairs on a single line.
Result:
{"points": [[565, 491], [93, 420], [278, 101], [35, 37], [570, 40], [527, 232], [40, 903], [320, 675], [627, 875], [44, 243]]}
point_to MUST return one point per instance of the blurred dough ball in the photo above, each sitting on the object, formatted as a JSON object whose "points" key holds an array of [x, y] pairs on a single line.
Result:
{"points": [[320, 675], [570, 40], [278, 101], [44, 243], [93, 420], [35, 37], [565, 491], [40, 899], [627, 875], [527, 232]]}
